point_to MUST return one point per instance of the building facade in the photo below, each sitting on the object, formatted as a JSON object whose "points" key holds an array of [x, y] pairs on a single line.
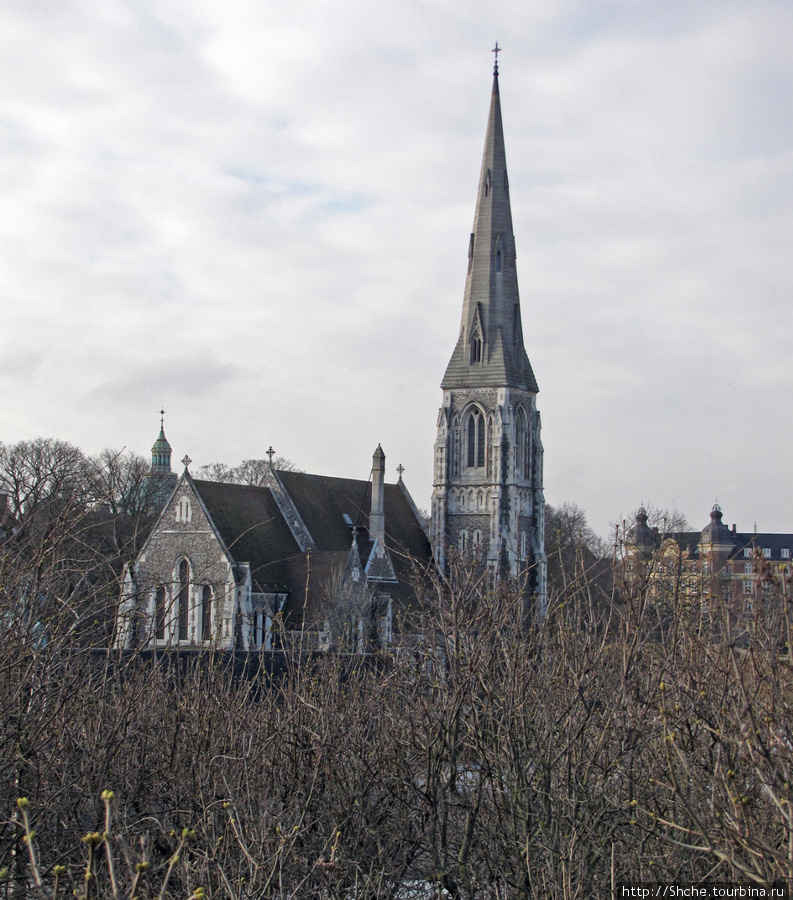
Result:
{"points": [[487, 495], [742, 568]]}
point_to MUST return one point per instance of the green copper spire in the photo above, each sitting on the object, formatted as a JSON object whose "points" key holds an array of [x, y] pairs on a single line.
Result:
{"points": [[161, 451]]}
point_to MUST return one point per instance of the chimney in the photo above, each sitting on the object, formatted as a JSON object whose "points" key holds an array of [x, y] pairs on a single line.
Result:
{"points": [[377, 515]]}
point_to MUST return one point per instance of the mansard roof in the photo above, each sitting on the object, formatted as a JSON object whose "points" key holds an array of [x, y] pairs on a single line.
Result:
{"points": [[716, 532]]}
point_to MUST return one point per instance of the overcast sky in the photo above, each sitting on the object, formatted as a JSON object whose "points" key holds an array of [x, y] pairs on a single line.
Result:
{"points": [[257, 215]]}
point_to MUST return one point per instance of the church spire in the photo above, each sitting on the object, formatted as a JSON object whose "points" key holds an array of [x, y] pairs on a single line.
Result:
{"points": [[490, 351]]}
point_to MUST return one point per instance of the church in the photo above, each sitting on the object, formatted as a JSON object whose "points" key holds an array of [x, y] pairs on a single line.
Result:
{"points": [[342, 556], [488, 496]]}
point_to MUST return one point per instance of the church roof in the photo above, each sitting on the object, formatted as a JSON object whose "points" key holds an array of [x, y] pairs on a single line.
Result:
{"points": [[491, 301], [322, 503], [253, 530]]}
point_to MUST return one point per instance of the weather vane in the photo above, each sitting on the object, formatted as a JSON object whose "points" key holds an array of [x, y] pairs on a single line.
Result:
{"points": [[496, 50]]}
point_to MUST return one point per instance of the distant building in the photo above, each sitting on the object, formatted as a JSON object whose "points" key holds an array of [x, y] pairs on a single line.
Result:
{"points": [[488, 498], [740, 566]]}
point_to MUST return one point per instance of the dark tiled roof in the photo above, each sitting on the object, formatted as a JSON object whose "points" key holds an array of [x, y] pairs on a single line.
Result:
{"points": [[322, 502], [253, 529], [688, 541]]}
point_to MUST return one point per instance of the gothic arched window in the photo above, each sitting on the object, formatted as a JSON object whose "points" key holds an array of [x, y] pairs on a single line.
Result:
{"points": [[182, 601], [522, 444], [206, 612], [475, 434], [159, 613]]}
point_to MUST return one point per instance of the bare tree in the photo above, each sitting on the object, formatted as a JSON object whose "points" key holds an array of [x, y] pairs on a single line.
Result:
{"points": [[249, 471]]}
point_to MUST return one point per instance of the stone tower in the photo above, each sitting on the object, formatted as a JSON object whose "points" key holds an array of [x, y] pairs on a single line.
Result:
{"points": [[487, 497]]}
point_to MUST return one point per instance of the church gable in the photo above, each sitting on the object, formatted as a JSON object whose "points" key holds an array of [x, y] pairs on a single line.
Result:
{"points": [[180, 590], [184, 529]]}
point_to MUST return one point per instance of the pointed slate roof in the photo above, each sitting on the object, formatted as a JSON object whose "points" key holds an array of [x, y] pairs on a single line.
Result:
{"points": [[491, 287], [322, 502], [253, 529]]}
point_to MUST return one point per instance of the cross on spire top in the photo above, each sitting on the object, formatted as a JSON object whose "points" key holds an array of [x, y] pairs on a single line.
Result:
{"points": [[162, 418], [496, 50]]}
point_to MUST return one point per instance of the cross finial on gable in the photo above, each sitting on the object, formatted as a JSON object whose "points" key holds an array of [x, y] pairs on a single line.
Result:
{"points": [[186, 461], [400, 469], [270, 454]]}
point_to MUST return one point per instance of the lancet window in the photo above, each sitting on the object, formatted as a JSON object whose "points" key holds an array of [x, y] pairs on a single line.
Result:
{"points": [[475, 435]]}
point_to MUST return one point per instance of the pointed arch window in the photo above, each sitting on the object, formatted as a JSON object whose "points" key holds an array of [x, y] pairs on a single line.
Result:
{"points": [[182, 601], [206, 612], [475, 434], [522, 445], [498, 260], [159, 613]]}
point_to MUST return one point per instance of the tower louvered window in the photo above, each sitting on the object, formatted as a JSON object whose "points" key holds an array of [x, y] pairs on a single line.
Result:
{"points": [[476, 347]]}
